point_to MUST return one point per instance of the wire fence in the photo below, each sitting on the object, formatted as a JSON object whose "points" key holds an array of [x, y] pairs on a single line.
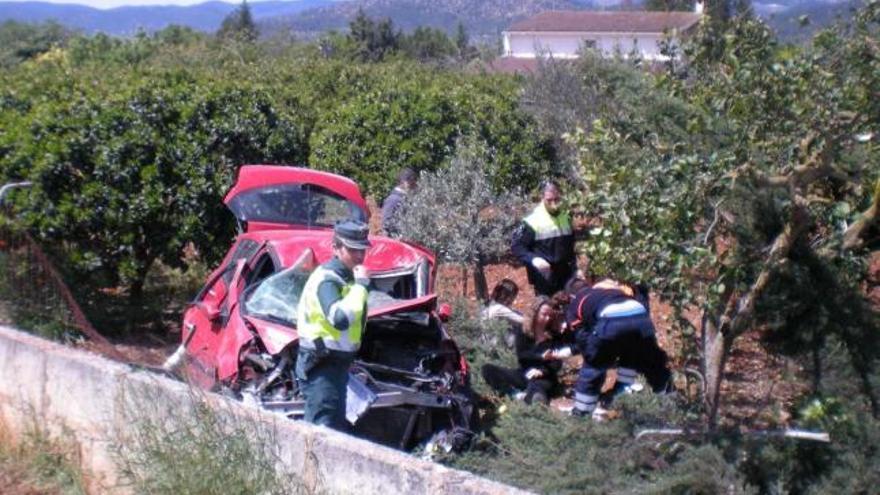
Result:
{"points": [[33, 295]]}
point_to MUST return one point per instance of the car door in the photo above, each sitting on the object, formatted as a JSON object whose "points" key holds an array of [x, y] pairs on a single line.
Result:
{"points": [[205, 317]]}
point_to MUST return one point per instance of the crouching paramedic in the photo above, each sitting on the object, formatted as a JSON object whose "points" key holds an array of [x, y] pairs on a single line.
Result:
{"points": [[330, 321], [614, 328]]}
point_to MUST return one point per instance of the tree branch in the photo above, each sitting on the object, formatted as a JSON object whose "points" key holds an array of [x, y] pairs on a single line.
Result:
{"points": [[737, 316], [853, 237]]}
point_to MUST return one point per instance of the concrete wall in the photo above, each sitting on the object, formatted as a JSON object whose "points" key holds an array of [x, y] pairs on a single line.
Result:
{"points": [[60, 388]]}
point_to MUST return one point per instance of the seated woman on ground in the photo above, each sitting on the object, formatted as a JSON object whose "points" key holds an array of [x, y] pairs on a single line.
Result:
{"points": [[499, 308], [540, 350]]}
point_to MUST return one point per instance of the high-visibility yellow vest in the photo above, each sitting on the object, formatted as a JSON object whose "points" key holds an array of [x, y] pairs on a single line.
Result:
{"points": [[547, 226], [311, 322]]}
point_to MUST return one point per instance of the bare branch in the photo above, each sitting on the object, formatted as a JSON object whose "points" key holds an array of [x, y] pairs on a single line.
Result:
{"points": [[737, 316], [714, 222], [853, 237], [815, 436]]}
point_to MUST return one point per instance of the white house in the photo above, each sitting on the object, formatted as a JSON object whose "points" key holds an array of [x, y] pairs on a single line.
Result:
{"points": [[562, 34]]}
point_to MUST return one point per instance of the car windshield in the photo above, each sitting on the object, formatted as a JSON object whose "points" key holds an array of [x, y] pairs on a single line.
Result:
{"points": [[294, 204], [276, 298]]}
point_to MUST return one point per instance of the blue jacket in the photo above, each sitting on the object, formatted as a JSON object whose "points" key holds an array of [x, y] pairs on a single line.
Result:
{"points": [[390, 210]]}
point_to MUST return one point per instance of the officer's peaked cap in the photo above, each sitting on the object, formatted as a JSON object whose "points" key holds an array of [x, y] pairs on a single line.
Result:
{"points": [[352, 233]]}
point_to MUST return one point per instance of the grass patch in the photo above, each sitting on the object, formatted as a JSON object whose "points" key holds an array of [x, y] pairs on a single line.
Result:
{"points": [[537, 448], [197, 450], [38, 464]]}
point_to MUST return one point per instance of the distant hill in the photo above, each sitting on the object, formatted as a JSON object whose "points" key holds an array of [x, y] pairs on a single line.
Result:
{"points": [[480, 17], [128, 20], [490, 17], [786, 22]]}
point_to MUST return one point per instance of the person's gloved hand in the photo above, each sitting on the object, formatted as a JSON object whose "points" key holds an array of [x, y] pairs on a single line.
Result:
{"points": [[361, 275], [561, 353], [533, 373], [542, 266]]}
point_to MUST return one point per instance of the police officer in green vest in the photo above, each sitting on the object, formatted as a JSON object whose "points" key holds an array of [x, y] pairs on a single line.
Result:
{"points": [[544, 243], [330, 320]]}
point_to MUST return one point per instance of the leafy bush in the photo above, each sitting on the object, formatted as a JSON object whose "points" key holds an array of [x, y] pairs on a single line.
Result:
{"points": [[20, 42], [127, 178], [131, 143], [457, 214], [415, 119], [738, 166]]}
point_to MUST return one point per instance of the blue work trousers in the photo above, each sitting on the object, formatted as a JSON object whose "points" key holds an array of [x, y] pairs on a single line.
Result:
{"points": [[323, 381], [626, 342]]}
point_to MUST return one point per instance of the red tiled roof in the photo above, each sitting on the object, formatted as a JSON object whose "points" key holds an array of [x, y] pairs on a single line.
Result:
{"points": [[606, 22]]}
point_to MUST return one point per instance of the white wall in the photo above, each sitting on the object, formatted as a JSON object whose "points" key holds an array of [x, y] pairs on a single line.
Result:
{"points": [[567, 45]]}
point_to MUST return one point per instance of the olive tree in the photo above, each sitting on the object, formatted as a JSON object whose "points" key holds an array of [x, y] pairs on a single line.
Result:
{"points": [[457, 213]]}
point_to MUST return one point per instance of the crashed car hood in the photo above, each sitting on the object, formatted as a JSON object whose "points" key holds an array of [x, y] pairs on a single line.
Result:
{"points": [[272, 197]]}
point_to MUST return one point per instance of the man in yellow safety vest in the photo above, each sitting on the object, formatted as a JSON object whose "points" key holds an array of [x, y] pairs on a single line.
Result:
{"points": [[331, 319], [544, 243]]}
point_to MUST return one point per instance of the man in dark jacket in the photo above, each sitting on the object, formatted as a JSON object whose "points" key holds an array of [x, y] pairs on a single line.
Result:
{"points": [[406, 184], [544, 243], [613, 328]]}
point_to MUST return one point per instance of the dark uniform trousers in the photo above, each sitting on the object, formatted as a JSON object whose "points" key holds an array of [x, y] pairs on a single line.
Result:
{"points": [[323, 381], [560, 273], [509, 380], [626, 342]]}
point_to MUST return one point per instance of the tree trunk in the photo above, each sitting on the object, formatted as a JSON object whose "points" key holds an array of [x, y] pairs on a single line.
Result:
{"points": [[739, 312], [136, 289], [464, 281], [715, 352], [480, 285]]}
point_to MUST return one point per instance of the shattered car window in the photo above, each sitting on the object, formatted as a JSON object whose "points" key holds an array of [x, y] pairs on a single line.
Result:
{"points": [[377, 299], [276, 298], [294, 204]]}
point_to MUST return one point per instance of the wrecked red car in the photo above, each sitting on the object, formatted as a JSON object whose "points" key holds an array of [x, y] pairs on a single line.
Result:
{"points": [[409, 383]]}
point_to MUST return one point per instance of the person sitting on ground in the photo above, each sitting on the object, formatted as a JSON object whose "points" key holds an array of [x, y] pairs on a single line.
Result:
{"points": [[540, 350], [499, 308], [613, 327], [407, 182]]}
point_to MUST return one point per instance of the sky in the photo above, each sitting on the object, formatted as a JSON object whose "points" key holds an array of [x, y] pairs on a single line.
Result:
{"points": [[109, 4]]}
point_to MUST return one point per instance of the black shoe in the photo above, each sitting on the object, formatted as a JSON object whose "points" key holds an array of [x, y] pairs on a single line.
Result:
{"points": [[579, 413]]}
